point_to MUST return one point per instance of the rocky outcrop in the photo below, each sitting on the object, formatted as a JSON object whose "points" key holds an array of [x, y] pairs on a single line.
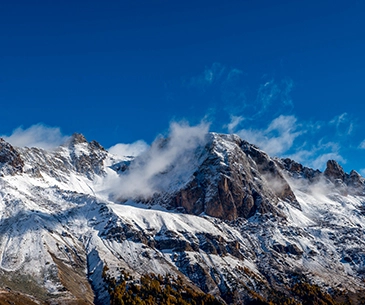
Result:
{"points": [[356, 182], [10, 160], [347, 183], [334, 172], [87, 158], [235, 180], [297, 170], [271, 172], [288, 249]]}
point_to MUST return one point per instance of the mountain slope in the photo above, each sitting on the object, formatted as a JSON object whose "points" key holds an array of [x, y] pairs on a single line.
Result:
{"points": [[221, 214]]}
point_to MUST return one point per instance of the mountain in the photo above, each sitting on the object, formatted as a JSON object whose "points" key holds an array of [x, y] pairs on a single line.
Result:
{"points": [[212, 214]]}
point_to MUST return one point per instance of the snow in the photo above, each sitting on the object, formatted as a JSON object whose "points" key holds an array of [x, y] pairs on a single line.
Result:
{"points": [[63, 212], [147, 219]]}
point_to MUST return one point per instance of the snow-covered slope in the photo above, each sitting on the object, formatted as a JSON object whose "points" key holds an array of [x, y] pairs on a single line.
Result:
{"points": [[218, 211]]}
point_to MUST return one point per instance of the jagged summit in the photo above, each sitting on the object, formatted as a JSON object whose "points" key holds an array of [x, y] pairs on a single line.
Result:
{"points": [[334, 172], [10, 160], [352, 182], [232, 180], [214, 210], [78, 138]]}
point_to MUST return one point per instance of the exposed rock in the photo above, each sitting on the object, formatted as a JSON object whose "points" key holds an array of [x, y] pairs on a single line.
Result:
{"points": [[234, 180], [355, 182], [297, 170], [272, 174], [10, 160], [87, 157], [334, 172], [77, 138], [351, 183]]}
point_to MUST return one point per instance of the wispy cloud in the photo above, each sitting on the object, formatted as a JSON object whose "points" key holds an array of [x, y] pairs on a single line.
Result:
{"points": [[318, 156], [273, 97], [133, 149], [209, 76], [285, 136], [343, 123], [234, 123], [231, 96], [37, 135], [267, 93], [277, 138], [145, 175], [260, 109]]}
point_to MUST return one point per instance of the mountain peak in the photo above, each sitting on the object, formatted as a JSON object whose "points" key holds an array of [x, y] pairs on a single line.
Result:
{"points": [[77, 138], [10, 160], [335, 172]]}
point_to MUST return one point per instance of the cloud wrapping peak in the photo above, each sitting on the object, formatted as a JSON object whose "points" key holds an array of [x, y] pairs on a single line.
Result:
{"points": [[277, 138], [145, 175], [38, 135], [133, 149]]}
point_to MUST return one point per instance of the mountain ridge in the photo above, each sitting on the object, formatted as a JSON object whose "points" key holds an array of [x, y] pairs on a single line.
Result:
{"points": [[222, 214]]}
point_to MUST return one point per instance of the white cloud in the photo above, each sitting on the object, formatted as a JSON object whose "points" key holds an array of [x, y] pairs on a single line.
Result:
{"points": [[133, 149], [208, 77], [320, 161], [235, 121], [36, 136], [339, 119], [362, 172], [343, 124], [318, 155], [277, 139], [267, 93], [362, 145], [145, 175], [285, 137]]}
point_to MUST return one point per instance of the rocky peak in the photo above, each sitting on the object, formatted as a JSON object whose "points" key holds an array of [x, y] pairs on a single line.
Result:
{"points": [[78, 138], [10, 160], [96, 145], [334, 172], [235, 179], [356, 182], [86, 157], [297, 170]]}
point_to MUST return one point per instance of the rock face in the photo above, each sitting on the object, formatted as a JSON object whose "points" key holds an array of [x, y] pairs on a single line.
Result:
{"points": [[10, 160], [234, 179], [298, 171], [87, 157], [356, 182], [352, 182], [335, 172]]}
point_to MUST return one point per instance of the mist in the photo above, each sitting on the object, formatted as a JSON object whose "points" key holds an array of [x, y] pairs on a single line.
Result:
{"points": [[37, 135], [133, 149], [174, 154]]}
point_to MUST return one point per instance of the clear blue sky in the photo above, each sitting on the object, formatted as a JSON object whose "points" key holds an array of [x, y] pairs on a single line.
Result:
{"points": [[287, 73]]}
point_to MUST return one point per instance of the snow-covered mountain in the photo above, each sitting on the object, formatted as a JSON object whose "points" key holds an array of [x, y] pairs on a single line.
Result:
{"points": [[212, 209]]}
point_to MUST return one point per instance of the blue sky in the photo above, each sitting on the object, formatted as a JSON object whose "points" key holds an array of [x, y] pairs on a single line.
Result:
{"points": [[286, 75]]}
